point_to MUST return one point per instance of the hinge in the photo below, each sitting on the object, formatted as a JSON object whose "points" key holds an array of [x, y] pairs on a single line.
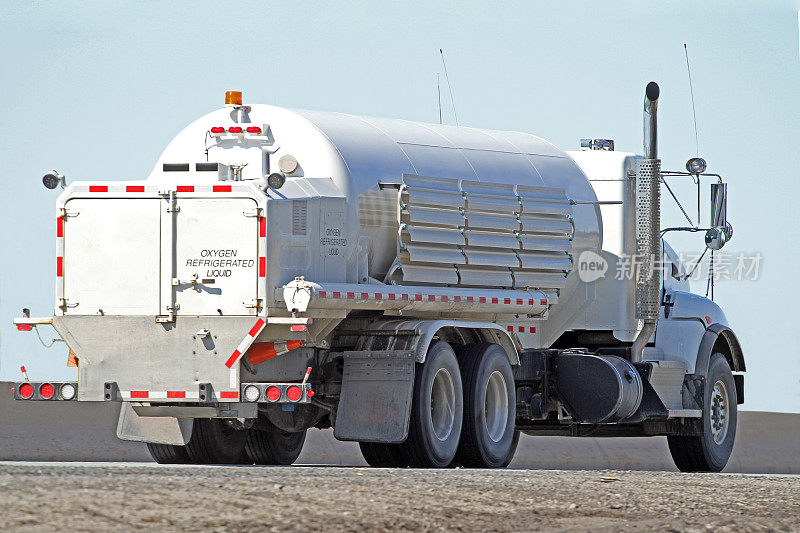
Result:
{"points": [[255, 212], [255, 303], [63, 213], [65, 304]]}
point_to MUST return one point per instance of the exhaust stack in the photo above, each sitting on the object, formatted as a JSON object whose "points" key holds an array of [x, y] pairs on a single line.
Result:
{"points": [[648, 225]]}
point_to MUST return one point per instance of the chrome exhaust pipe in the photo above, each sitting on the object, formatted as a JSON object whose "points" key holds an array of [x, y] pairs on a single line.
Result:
{"points": [[648, 226], [651, 94]]}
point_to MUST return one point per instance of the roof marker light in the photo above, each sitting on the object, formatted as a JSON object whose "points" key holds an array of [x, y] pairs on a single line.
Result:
{"points": [[235, 129], [233, 97], [217, 129], [253, 129]]}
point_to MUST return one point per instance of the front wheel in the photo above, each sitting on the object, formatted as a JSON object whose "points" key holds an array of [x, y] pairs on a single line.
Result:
{"points": [[710, 451]]}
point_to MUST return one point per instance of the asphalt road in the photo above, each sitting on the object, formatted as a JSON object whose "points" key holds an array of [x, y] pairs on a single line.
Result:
{"points": [[127, 496]]}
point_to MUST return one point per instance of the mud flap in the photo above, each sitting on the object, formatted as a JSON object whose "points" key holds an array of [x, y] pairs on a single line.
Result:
{"points": [[375, 404], [158, 430]]}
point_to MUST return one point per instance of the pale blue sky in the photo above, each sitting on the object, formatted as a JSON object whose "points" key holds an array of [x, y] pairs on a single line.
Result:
{"points": [[97, 89]]}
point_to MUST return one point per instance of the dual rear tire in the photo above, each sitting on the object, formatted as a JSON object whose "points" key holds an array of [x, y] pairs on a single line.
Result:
{"points": [[462, 412], [214, 441]]}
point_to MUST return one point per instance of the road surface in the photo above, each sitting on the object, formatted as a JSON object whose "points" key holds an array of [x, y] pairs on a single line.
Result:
{"points": [[126, 496]]}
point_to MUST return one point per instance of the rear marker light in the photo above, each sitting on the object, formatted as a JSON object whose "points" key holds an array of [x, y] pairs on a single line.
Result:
{"points": [[24, 327], [253, 129], [310, 393], [235, 129], [26, 391], [251, 393], [46, 391], [273, 394], [217, 129], [294, 393], [68, 391]]}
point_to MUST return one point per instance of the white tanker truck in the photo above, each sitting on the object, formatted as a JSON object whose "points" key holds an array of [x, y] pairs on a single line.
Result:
{"points": [[428, 291]]}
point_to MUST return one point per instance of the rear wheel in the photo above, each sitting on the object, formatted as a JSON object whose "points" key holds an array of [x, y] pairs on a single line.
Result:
{"points": [[436, 411], [382, 455], [490, 402], [274, 447], [214, 441], [710, 451], [167, 454]]}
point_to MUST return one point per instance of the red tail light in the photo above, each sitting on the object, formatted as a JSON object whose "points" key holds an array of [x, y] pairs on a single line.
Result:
{"points": [[217, 129], [253, 129], [294, 393], [26, 391], [310, 393], [273, 394], [47, 391], [235, 129], [24, 327]]}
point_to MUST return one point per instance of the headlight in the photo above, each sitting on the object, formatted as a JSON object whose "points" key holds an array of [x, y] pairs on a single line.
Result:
{"points": [[251, 393]]}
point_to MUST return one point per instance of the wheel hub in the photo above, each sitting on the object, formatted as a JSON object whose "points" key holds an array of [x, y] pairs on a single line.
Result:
{"points": [[443, 403], [495, 407], [719, 412]]}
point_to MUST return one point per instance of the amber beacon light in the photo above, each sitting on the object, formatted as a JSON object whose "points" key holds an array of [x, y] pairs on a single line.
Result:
{"points": [[233, 97]]}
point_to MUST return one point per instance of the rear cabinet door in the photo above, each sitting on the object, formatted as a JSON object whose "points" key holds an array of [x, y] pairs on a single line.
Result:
{"points": [[215, 243], [111, 256]]}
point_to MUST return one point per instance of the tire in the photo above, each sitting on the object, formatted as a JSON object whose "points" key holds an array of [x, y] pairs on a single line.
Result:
{"points": [[490, 405], [436, 411], [167, 454], [215, 442], [513, 450], [274, 447], [382, 455], [710, 451]]}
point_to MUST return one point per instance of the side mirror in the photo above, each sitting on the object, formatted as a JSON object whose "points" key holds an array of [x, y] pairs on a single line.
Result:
{"points": [[721, 231], [719, 205], [716, 238]]}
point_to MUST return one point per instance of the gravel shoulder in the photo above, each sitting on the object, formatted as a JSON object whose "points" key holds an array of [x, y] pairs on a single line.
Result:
{"points": [[99, 497]]}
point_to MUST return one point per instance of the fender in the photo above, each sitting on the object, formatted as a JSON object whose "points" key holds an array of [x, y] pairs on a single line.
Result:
{"points": [[427, 329], [715, 333]]}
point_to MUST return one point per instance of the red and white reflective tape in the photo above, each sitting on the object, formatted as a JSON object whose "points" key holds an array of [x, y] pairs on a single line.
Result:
{"points": [[59, 259], [246, 342], [336, 295], [142, 395], [153, 189]]}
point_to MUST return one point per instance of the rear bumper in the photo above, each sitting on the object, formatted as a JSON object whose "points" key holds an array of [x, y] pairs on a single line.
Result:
{"points": [[133, 358]]}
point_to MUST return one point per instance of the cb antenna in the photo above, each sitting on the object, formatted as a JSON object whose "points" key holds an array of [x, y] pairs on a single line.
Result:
{"points": [[691, 91], [439, 96], [446, 77]]}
